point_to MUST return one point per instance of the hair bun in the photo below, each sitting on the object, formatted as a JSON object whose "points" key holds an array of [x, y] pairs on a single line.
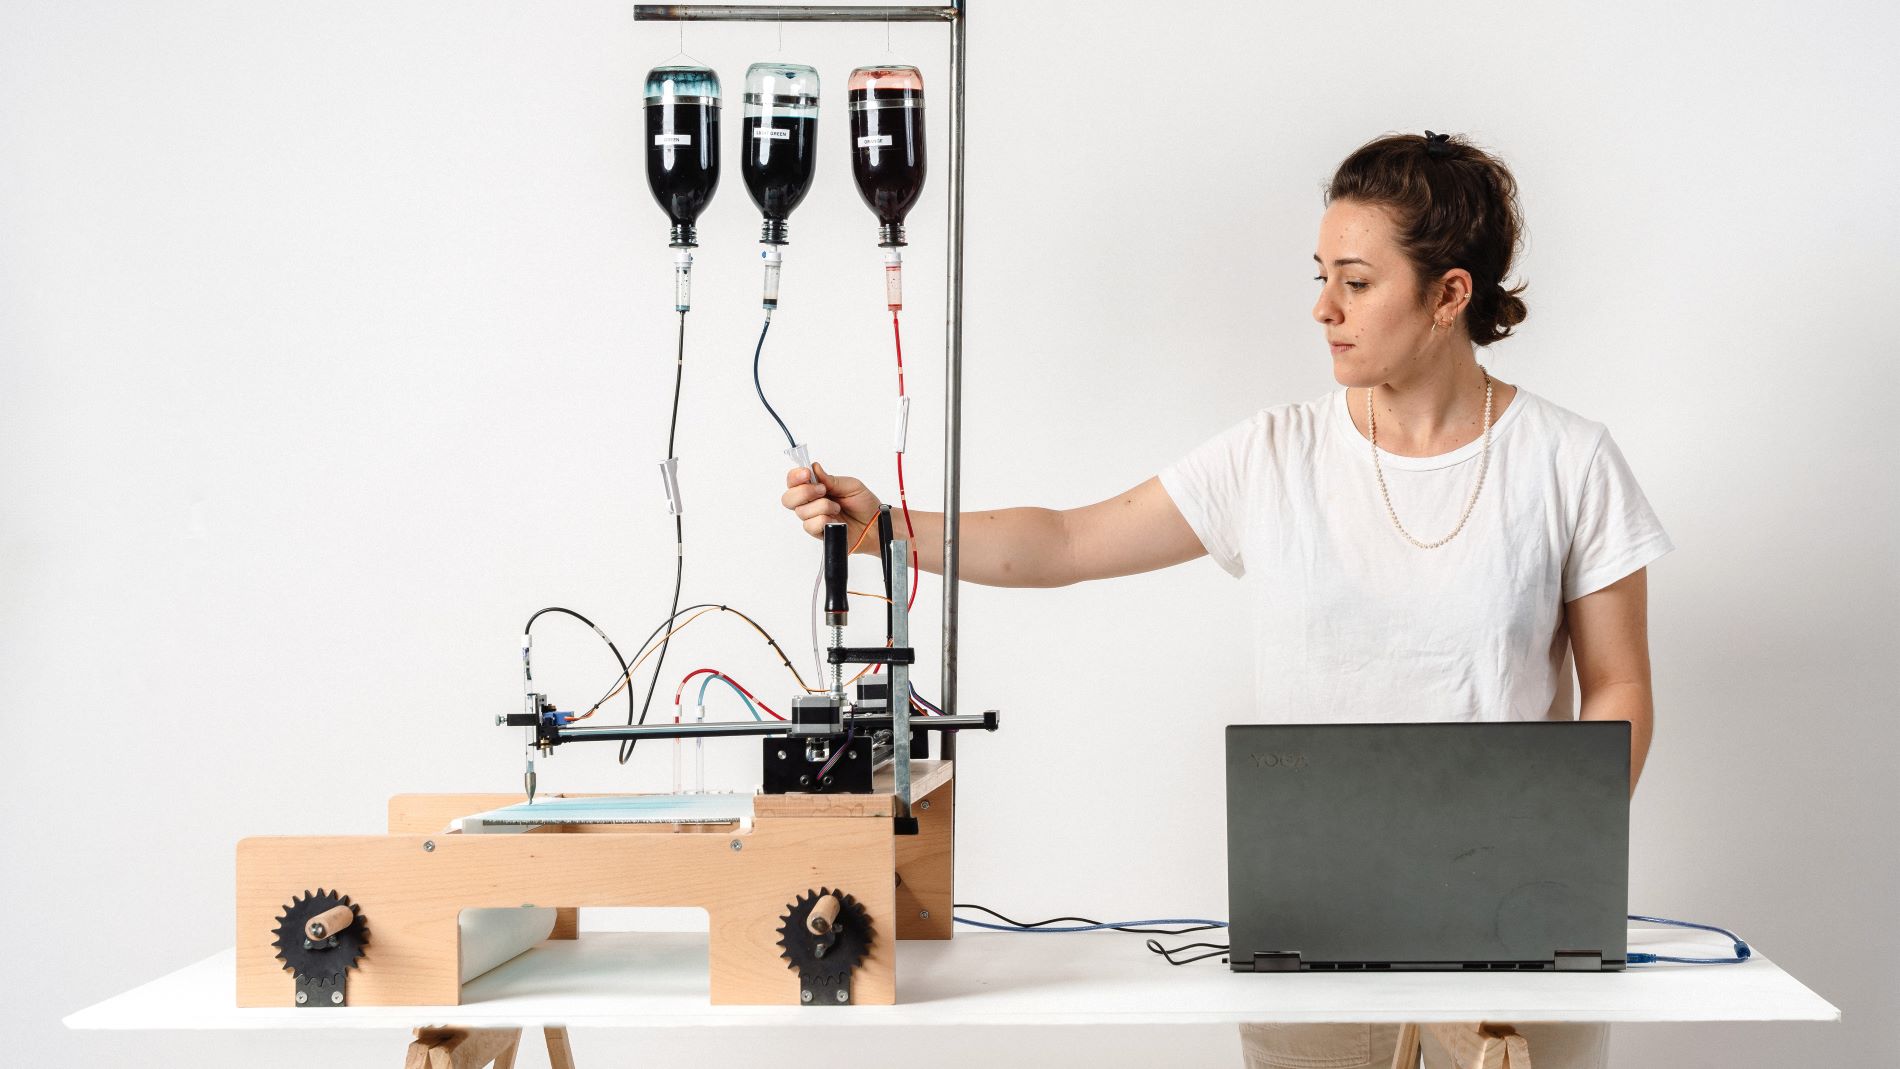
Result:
{"points": [[1510, 310]]}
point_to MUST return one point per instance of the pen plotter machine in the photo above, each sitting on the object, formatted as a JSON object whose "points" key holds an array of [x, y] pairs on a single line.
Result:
{"points": [[848, 844]]}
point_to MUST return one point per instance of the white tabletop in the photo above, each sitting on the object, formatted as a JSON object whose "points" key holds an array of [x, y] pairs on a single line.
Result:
{"points": [[659, 980]]}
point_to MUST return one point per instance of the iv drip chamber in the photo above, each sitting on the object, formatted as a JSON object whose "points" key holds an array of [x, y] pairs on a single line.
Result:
{"points": [[780, 140], [887, 144], [682, 145]]}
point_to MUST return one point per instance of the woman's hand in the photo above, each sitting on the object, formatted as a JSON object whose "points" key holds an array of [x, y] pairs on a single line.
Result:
{"points": [[831, 499]]}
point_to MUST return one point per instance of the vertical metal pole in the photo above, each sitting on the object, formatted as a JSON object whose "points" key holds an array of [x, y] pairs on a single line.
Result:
{"points": [[953, 380], [899, 701]]}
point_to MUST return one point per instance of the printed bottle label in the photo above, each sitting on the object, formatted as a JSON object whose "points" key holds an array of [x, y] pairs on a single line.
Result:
{"points": [[672, 139], [775, 133], [875, 141]]}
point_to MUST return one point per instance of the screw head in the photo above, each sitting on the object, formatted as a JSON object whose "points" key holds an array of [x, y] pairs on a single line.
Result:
{"points": [[306, 944], [781, 755], [804, 996], [428, 847], [843, 995], [303, 997], [501, 719], [925, 804], [336, 998], [923, 914], [737, 845]]}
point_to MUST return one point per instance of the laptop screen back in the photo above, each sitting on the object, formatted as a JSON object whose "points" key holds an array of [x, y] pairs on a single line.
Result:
{"points": [[1433, 846]]}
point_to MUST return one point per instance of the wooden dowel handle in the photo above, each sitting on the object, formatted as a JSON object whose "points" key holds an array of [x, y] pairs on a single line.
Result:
{"points": [[824, 913], [329, 922]]}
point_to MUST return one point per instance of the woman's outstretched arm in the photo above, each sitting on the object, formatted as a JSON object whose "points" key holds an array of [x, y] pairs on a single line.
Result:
{"points": [[1137, 531]]}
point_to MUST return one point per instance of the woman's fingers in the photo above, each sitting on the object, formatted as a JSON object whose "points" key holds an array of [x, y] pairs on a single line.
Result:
{"points": [[799, 495], [819, 503]]}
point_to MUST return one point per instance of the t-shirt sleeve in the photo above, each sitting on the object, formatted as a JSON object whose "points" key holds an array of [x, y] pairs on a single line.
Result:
{"points": [[1210, 488], [1616, 532]]}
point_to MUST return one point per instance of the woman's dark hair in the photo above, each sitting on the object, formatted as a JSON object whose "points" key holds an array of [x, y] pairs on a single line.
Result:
{"points": [[1455, 206]]}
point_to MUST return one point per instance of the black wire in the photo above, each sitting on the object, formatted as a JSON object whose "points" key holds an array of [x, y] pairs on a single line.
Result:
{"points": [[679, 575], [679, 372], [665, 624], [1220, 949], [679, 553], [527, 669], [789, 440], [1086, 920]]}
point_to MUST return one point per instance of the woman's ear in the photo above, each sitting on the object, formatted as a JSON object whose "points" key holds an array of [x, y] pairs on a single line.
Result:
{"points": [[1454, 294]]}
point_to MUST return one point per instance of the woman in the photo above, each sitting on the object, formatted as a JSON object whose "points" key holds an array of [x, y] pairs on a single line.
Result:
{"points": [[1427, 543]]}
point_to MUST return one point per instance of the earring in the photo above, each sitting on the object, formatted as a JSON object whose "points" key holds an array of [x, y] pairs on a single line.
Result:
{"points": [[1434, 326]]}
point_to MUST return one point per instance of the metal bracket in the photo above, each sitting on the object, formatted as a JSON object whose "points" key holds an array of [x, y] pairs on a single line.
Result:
{"points": [[824, 993], [314, 993], [1579, 961]]}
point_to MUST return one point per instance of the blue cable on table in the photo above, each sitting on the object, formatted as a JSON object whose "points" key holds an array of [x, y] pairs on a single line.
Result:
{"points": [[1742, 951], [1092, 927], [1741, 948]]}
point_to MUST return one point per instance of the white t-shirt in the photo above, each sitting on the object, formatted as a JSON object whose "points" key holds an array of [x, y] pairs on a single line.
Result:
{"points": [[1355, 624]]}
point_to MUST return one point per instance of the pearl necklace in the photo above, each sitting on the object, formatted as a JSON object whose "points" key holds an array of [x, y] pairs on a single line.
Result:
{"points": [[1484, 462]]}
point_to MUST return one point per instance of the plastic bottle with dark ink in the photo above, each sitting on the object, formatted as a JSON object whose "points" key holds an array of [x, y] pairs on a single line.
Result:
{"points": [[682, 145], [887, 144], [780, 140]]}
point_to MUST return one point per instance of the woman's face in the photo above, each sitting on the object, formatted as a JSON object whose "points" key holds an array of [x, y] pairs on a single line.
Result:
{"points": [[1368, 298]]}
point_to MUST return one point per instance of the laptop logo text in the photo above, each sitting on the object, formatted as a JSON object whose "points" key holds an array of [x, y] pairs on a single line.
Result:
{"points": [[1294, 761]]}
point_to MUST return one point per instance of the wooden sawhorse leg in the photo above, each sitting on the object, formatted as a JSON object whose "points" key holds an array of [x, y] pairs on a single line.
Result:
{"points": [[475, 1048], [1472, 1046]]}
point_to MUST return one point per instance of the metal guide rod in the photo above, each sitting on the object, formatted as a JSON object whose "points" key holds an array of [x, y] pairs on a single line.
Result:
{"points": [[953, 385], [956, 16], [899, 700], [789, 13], [623, 732]]}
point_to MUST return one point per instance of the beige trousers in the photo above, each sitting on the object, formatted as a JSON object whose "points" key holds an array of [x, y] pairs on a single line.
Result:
{"points": [[1370, 1046]]}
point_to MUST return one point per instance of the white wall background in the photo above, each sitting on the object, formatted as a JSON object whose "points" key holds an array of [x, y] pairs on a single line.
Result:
{"points": [[336, 338]]}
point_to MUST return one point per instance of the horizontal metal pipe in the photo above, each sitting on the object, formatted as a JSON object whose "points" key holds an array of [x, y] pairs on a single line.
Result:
{"points": [[618, 732], [622, 732], [879, 721], [788, 13]]}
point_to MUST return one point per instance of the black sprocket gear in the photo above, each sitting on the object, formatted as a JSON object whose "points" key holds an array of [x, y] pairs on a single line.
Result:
{"points": [[322, 962], [824, 963]]}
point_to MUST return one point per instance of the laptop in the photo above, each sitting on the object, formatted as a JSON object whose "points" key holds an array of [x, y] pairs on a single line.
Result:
{"points": [[1445, 846]]}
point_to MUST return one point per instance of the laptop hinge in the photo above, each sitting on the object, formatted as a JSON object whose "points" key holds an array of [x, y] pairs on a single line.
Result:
{"points": [[1579, 961], [1277, 961]]}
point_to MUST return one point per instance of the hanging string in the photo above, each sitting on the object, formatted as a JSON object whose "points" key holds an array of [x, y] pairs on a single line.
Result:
{"points": [[682, 53]]}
